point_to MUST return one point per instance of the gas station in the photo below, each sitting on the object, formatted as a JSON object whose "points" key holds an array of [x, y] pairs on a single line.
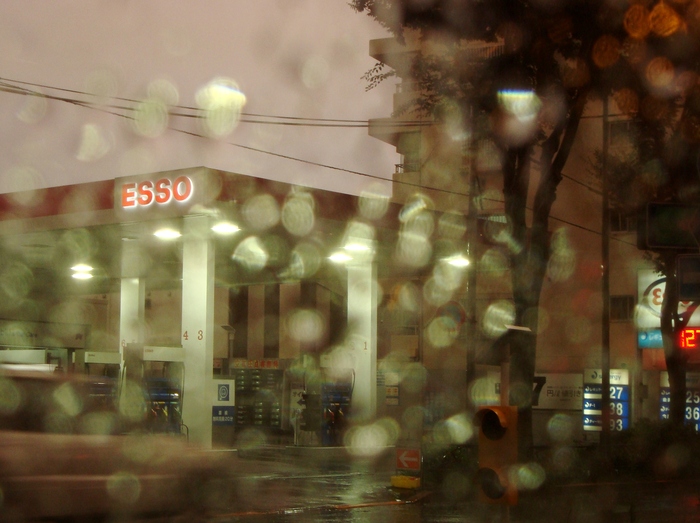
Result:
{"points": [[219, 283]]}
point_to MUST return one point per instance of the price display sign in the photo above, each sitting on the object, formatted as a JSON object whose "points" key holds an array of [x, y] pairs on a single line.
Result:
{"points": [[689, 338], [593, 400], [692, 398]]}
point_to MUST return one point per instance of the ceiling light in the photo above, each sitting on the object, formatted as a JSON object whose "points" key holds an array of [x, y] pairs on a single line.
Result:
{"points": [[167, 234], [225, 228], [81, 267], [458, 261], [340, 257], [82, 275]]}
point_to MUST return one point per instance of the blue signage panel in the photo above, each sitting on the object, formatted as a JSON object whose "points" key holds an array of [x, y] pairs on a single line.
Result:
{"points": [[593, 400], [222, 415], [650, 339]]}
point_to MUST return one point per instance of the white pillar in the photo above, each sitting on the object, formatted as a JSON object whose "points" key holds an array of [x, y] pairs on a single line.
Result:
{"points": [[362, 325], [132, 298], [198, 329]]}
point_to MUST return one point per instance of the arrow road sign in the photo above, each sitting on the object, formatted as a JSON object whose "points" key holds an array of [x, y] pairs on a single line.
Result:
{"points": [[407, 459]]}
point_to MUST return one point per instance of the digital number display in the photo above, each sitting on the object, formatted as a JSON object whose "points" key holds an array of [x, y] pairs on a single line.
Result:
{"points": [[689, 338]]}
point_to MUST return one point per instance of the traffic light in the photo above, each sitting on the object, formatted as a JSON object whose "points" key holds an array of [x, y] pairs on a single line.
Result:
{"points": [[498, 451]]}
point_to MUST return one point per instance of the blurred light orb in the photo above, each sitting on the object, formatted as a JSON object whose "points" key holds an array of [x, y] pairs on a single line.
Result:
{"points": [[33, 110], [315, 72], [68, 400], [482, 392], [660, 72], [414, 205], [498, 314], [251, 254], [124, 488], [94, 144], [413, 250], [663, 20], [414, 377], [298, 215], [367, 440], [606, 51], [372, 205], [305, 260], [261, 212], [164, 91], [578, 329], [528, 476], [460, 428], [150, 118], [636, 21], [98, 423], [442, 331], [305, 325], [449, 273], [435, 294], [132, 402], [221, 102], [24, 182], [523, 104], [561, 428]]}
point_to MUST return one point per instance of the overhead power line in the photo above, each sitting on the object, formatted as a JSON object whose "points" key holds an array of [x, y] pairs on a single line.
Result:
{"points": [[15, 87]]}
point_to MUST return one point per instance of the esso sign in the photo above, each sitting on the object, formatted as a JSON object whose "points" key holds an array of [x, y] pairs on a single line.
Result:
{"points": [[159, 192]]}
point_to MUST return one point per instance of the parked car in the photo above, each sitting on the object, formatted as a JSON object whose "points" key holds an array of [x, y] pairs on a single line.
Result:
{"points": [[64, 454]]}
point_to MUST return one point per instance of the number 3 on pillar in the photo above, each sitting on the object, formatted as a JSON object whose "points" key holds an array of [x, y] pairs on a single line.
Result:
{"points": [[200, 335]]}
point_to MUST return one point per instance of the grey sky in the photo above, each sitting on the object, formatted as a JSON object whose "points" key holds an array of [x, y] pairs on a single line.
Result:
{"points": [[301, 58]]}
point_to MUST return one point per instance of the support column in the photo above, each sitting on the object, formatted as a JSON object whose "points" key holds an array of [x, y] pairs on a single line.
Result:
{"points": [[198, 329], [132, 305], [362, 326]]}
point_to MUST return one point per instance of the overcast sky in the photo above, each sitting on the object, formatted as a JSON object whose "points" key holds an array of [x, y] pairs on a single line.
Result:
{"points": [[291, 58]]}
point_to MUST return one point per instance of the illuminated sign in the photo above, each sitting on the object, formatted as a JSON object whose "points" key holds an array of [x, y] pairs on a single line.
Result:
{"points": [[689, 338], [160, 192]]}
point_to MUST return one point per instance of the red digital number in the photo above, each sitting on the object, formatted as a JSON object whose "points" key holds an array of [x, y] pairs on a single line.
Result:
{"points": [[688, 338]]}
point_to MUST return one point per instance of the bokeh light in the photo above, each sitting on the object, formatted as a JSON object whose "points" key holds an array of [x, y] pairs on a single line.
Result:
{"points": [[498, 314], [221, 102], [261, 212]]}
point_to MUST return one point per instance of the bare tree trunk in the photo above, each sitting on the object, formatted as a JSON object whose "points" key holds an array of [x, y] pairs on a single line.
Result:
{"points": [[676, 360]]}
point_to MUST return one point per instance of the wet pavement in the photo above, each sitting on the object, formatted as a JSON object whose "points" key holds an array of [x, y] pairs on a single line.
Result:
{"points": [[295, 485]]}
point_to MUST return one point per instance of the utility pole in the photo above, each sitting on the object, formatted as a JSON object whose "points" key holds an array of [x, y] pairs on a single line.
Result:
{"points": [[605, 339], [472, 239]]}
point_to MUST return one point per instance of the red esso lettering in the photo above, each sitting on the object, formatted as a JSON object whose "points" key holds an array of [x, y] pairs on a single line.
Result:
{"points": [[145, 193], [128, 195], [182, 188], [161, 192]]}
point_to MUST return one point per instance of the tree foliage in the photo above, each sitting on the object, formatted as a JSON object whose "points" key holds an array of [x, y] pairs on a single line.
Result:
{"points": [[642, 54]]}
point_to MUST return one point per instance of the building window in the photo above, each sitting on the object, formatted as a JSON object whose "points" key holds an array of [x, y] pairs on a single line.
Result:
{"points": [[622, 308], [622, 222]]}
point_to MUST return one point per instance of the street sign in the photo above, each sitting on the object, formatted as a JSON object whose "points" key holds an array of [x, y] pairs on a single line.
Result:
{"points": [[407, 459]]}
